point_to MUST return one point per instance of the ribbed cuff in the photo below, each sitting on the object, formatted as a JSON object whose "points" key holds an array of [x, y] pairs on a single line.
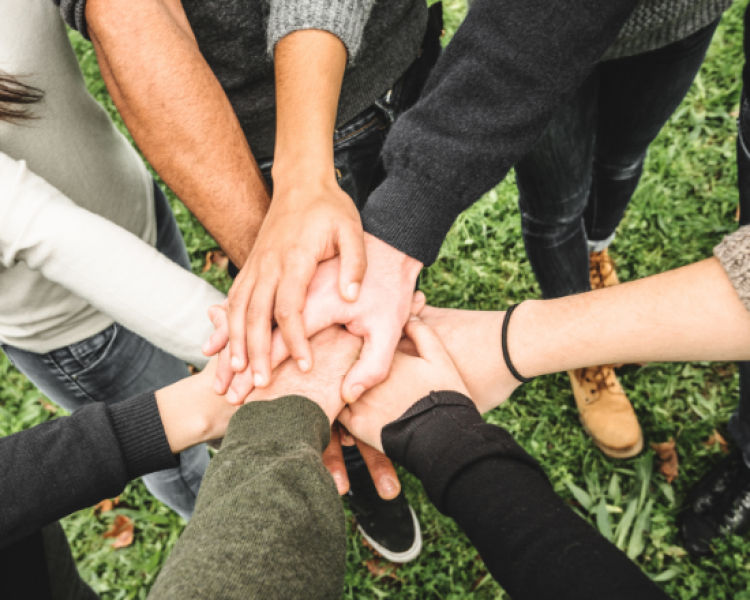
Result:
{"points": [[343, 18], [734, 255], [413, 214], [273, 427], [140, 432], [441, 436]]}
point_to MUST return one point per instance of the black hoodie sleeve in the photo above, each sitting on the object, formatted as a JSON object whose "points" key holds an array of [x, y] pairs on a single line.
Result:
{"points": [[534, 545]]}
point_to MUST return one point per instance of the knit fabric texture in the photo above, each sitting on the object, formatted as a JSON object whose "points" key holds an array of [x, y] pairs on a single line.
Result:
{"points": [[345, 17], [657, 23], [237, 37], [268, 522], [734, 255]]}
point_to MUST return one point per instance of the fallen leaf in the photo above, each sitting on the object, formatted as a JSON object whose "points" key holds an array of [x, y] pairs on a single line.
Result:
{"points": [[49, 407], [382, 568], [218, 258], [193, 370], [735, 114], [717, 438], [667, 454], [122, 530], [106, 505]]}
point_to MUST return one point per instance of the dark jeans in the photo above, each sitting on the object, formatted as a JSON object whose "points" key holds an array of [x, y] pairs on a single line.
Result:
{"points": [[117, 364], [578, 180]]}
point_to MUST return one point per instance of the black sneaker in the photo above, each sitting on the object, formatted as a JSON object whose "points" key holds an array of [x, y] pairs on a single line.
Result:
{"points": [[719, 505], [390, 526]]}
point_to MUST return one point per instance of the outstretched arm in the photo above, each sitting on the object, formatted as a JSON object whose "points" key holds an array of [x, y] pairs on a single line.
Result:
{"points": [[178, 113]]}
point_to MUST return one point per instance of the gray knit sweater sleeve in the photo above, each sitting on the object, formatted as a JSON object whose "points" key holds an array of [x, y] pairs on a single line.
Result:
{"points": [[734, 255], [345, 19]]}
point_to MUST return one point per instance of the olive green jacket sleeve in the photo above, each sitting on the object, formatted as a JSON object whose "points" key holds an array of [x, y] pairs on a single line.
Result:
{"points": [[268, 522]]}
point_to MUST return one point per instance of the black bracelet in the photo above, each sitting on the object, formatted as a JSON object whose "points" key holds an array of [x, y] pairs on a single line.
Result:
{"points": [[506, 356]]}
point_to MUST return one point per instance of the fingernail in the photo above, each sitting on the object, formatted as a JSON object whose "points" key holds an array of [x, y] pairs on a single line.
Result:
{"points": [[388, 486], [413, 318], [236, 363], [258, 380], [232, 396], [352, 291], [303, 366], [217, 386], [206, 346], [339, 481], [357, 391]]}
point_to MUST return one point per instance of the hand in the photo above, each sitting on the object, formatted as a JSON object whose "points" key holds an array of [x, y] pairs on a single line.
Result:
{"points": [[306, 224], [473, 341], [192, 412], [378, 316], [411, 379], [337, 351], [381, 468]]}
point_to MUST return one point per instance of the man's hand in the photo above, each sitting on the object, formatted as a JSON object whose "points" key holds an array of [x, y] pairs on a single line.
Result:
{"points": [[411, 379]]}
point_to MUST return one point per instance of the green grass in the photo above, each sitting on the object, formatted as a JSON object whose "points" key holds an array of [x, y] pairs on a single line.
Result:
{"points": [[684, 205]]}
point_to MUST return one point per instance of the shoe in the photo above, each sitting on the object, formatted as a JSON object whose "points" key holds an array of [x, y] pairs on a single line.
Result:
{"points": [[605, 411], [718, 506], [389, 526], [602, 270]]}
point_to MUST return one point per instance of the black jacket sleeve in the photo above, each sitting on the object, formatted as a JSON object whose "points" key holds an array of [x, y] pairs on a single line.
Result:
{"points": [[531, 542], [489, 98], [64, 465]]}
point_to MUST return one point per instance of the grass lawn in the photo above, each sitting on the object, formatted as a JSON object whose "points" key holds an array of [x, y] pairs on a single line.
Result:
{"points": [[685, 203]]}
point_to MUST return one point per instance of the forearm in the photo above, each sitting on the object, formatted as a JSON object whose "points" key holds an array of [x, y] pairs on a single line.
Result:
{"points": [[107, 266], [691, 313], [508, 68], [268, 522], [73, 462], [531, 543], [309, 68], [179, 115]]}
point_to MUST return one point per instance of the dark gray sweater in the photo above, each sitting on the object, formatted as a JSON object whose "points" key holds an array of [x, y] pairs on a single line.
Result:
{"points": [[237, 38]]}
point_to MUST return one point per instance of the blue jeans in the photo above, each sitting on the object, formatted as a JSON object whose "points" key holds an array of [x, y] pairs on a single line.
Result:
{"points": [[578, 180], [116, 364]]}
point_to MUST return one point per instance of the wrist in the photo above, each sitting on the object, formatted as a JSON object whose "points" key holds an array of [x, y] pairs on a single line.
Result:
{"points": [[187, 420], [304, 172]]}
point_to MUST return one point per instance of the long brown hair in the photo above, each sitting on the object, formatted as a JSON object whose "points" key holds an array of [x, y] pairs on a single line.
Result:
{"points": [[16, 98]]}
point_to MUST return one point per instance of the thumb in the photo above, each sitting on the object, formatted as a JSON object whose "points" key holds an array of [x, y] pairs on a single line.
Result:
{"points": [[425, 339], [418, 302], [353, 263], [372, 368]]}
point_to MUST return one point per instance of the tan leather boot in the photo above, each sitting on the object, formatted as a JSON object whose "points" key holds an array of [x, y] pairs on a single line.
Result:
{"points": [[605, 411]]}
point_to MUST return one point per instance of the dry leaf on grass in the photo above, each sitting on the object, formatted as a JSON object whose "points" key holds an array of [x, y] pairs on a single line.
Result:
{"points": [[382, 568], [717, 438], [122, 531], [107, 505], [48, 406], [218, 258], [667, 454]]}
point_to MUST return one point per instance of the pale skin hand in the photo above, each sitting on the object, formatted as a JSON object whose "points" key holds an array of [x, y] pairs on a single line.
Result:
{"points": [[310, 220], [411, 379], [336, 351], [191, 412]]}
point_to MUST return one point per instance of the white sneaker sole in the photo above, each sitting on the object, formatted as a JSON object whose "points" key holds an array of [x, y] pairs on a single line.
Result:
{"points": [[398, 557]]}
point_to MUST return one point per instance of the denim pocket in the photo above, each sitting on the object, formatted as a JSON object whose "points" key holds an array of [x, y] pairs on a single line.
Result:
{"points": [[90, 352]]}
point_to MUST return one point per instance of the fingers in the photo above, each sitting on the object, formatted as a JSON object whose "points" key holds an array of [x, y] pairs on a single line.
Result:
{"points": [[242, 385], [259, 316], [239, 300], [381, 470], [427, 342], [418, 302], [353, 263], [219, 338], [372, 367], [333, 459], [224, 373], [290, 302]]}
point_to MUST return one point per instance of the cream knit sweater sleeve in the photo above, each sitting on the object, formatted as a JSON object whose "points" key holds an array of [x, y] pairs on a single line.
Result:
{"points": [[112, 269]]}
